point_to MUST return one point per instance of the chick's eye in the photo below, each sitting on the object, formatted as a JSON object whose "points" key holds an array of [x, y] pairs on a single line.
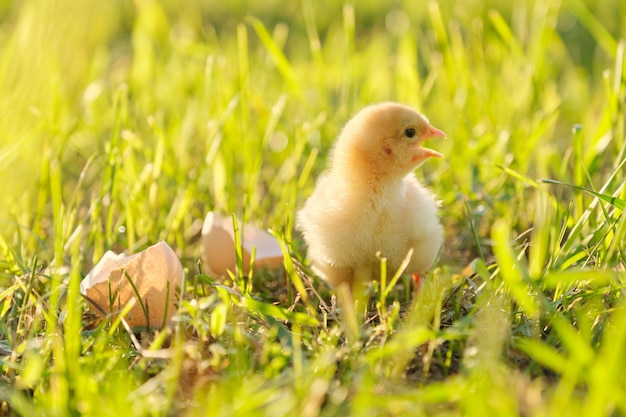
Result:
{"points": [[409, 133]]}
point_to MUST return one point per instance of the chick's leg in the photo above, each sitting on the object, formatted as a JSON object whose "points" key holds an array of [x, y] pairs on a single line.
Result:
{"points": [[417, 284], [348, 285], [342, 281], [336, 275], [348, 310], [354, 303]]}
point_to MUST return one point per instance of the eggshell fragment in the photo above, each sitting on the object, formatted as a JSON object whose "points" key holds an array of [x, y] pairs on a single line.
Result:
{"points": [[150, 270], [218, 246]]}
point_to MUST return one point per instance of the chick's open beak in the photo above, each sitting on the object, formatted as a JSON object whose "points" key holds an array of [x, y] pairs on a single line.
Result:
{"points": [[431, 132]]}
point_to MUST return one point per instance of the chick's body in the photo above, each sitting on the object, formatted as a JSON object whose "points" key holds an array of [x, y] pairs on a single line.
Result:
{"points": [[369, 201]]}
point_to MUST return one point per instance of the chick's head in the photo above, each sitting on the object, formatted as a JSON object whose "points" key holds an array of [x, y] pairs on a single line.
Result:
{"points": [[385, 140]]}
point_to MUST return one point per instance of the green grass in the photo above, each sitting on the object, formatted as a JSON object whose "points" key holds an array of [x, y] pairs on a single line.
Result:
{"points": [[124, 123]]}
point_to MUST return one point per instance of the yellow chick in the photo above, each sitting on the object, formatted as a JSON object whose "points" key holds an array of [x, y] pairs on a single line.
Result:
{"points": [[370, 202]]}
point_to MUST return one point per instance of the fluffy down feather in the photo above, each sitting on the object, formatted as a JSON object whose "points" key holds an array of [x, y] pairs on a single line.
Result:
{"points": [[370, 202]]}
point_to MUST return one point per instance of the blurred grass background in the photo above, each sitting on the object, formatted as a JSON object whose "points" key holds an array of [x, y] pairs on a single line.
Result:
{"points": [[123, 123], [508, 83]]}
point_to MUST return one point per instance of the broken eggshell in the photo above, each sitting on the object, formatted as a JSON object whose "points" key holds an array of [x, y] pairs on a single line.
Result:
{"points": [[107, 287], [218, 246]]}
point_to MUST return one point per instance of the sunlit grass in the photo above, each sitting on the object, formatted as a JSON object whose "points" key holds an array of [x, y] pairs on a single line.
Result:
{"points": [[122, 124]]}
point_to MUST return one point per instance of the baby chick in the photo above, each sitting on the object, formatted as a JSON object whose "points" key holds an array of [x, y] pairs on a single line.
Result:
{"points": [[369, 202]]}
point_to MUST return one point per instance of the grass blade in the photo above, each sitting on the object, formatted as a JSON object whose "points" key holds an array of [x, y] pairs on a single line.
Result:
{"points": [[614, 201], [281, 61]]}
